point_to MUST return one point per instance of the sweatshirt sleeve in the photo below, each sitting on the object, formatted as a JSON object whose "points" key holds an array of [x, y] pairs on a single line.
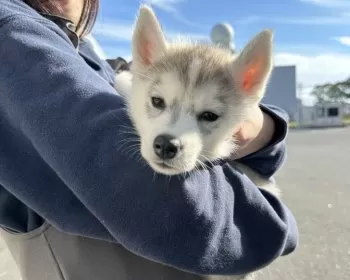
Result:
{"points": [[206, 222], [268, 160]]}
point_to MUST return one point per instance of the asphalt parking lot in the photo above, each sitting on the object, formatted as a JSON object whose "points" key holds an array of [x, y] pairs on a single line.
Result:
{"points": [[316, 185]]}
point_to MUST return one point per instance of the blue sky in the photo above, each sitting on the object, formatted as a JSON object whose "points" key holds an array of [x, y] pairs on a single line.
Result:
{"points": [[312, 34]]}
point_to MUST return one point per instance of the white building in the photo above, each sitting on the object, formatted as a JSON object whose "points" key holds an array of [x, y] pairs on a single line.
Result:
{"points": [[282, 90], [322, 115], [346, 109]]}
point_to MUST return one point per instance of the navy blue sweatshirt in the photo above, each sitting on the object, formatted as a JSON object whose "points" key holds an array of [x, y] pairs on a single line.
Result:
{"points": [[61, 160]]}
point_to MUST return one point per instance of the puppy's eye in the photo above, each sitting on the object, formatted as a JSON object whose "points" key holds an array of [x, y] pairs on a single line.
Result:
{"points": [[208, 117], [158, 103]]}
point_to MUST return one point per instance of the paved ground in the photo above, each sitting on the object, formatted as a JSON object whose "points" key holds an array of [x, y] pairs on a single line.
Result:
{"points": [[316, 186]]}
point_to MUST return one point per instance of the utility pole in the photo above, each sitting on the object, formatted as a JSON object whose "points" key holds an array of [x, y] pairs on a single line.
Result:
{"points": [[300, 103]]}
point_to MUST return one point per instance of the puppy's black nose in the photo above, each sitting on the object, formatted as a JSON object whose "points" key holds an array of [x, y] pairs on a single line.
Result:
{"points": [[165, 146]]}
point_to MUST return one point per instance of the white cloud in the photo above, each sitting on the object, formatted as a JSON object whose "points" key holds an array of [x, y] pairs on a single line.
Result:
{"points": [[122, 31], [343, 19], [329, 3], [302, 48], [344, 40], [170, 7], [166, 5], [316, 69], [326, 20], [249, 20]]}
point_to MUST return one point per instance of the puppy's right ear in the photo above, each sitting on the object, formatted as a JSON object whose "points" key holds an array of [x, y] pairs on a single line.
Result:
{"points": [[148, 42]]}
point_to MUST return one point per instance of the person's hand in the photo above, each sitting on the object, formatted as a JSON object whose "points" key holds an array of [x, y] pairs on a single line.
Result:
{"points": [[253, 134]]}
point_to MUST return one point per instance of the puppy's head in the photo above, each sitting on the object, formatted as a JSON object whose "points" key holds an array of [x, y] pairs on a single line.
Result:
{"points": [[187, 98]]}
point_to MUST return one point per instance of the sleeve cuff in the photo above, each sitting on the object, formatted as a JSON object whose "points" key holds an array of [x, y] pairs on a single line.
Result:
{"points": [[270, 158], [281, 119]]}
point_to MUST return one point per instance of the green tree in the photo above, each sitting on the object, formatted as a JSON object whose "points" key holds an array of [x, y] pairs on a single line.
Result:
{"points": [[333, 92]]}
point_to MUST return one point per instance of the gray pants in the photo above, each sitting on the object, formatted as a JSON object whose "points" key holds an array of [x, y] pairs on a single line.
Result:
{"points": [[48, 254]]}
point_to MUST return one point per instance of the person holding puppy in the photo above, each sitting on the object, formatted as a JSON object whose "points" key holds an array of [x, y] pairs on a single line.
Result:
{"points": [[75, 205]]}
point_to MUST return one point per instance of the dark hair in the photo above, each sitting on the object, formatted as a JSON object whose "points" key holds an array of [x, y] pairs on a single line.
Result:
{"points": [[52, 7]]}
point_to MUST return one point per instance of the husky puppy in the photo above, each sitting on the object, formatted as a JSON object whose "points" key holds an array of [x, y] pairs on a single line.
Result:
{"points": [[185, 98]]}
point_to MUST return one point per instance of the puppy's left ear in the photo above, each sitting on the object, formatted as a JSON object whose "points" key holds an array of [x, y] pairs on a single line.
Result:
{"points": [[253, 66], [148, 42]]}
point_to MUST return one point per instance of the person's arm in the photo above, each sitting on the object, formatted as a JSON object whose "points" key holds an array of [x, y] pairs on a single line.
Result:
{"points": [[205, 223]]}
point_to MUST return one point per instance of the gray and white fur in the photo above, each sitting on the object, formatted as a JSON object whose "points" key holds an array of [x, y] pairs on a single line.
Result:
{"points": [[185, 98]]}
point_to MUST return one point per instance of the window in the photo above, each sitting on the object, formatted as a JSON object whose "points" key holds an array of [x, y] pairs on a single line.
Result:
{"points": [[333, 112]]}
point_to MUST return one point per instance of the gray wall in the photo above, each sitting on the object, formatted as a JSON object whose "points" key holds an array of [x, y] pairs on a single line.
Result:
{"points": [[282, 90]]}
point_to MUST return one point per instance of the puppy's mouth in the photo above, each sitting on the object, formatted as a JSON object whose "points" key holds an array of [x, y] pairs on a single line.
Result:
{"points": [[165, 165], [165, 168]]}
